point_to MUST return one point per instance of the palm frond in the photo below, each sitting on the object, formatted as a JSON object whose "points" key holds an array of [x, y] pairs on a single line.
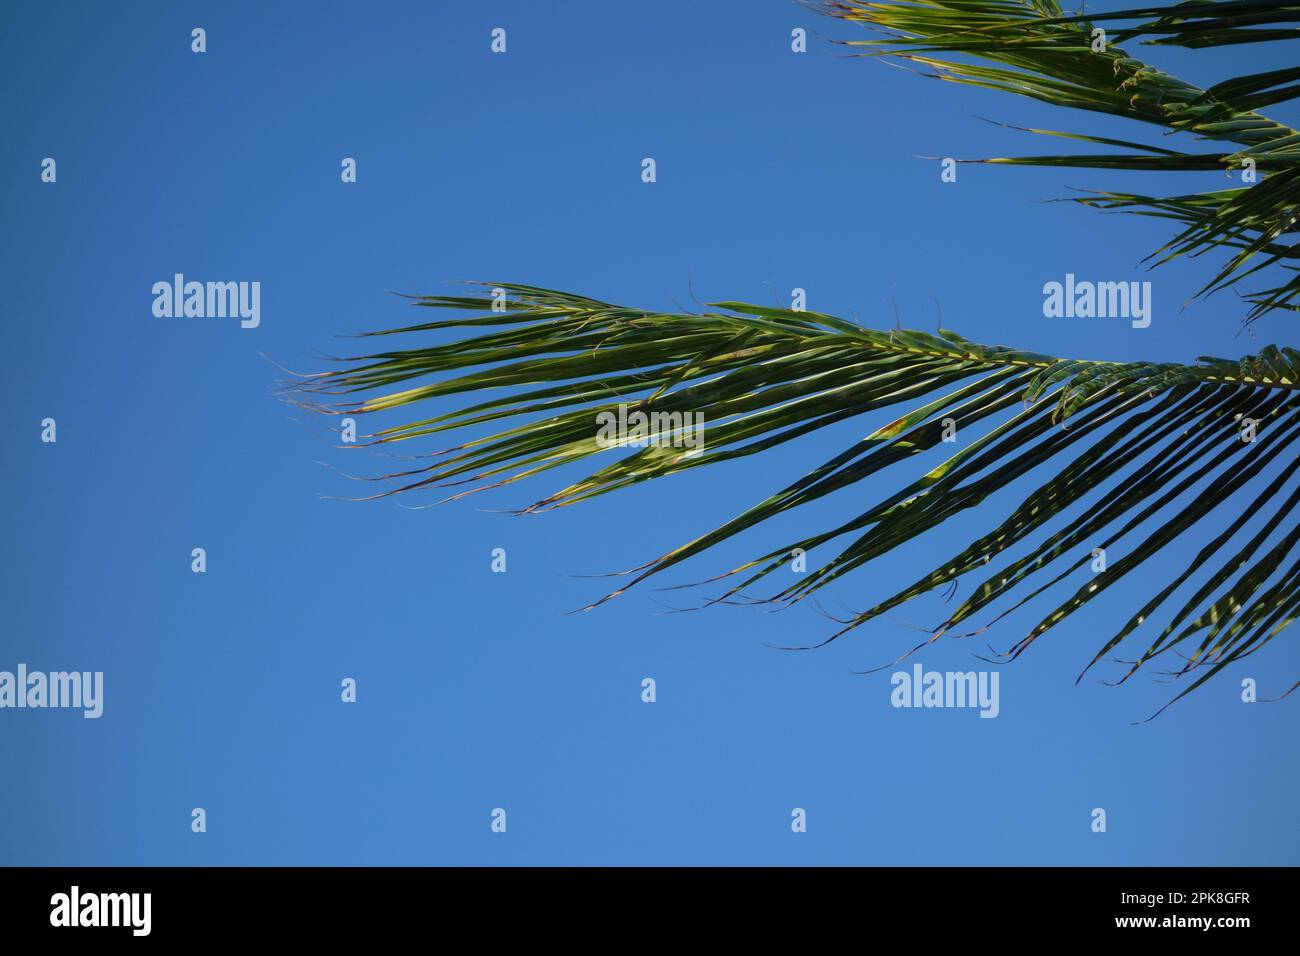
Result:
{"points": [[1030, 48], [1198, 24], [1151, 449]]}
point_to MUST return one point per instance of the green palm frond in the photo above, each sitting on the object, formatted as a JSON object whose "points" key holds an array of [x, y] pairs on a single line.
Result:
{"points": [[1157, 445], [1030, 48], [1199, 23]]}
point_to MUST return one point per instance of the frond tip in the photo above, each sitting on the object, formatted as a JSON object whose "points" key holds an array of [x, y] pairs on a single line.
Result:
{"points": [[1131, 456]]}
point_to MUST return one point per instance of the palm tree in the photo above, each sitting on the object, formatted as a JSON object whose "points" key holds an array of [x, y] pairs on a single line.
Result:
{"points": [[1161, 445]]}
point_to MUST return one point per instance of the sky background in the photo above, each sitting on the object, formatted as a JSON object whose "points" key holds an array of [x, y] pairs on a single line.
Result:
{"points": [[476, 690]]}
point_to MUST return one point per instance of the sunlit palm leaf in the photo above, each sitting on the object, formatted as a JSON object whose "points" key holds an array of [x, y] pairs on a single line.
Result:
{"points": [[1154, 445]]}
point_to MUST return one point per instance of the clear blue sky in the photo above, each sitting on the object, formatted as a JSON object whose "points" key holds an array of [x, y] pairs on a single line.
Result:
{"points": [[476, 691]]}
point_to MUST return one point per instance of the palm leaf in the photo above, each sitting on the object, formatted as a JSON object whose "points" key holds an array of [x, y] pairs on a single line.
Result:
{"points": [[1151, 449], [1030, 48]]}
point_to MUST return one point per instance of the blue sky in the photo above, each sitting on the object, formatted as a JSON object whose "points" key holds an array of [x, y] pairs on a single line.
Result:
{"points": [[476, 691]]}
